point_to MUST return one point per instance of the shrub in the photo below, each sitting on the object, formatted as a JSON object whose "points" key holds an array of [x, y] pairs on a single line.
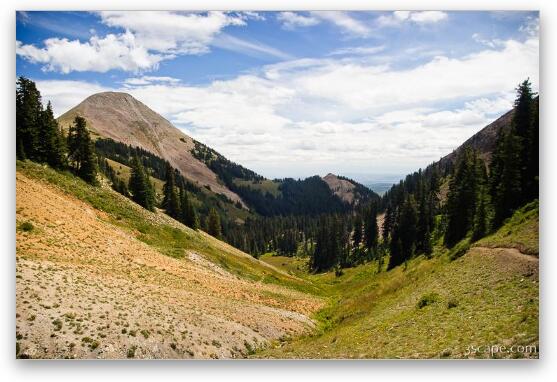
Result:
{"points": [[131, 351], [427, 299], [26, 227], [452, 303]]}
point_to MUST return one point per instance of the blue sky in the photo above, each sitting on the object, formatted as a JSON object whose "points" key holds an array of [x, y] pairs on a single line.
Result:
{"points": [[364, 94]]}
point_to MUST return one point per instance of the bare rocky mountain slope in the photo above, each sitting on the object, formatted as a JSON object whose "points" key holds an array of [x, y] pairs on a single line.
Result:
{"points": [[342, 188], [123, 118]]}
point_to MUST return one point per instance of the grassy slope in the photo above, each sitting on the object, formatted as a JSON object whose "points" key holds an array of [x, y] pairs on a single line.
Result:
{"points": [[124, 172], [520, 231], [264, 186], [171, 240], [486, 297]]}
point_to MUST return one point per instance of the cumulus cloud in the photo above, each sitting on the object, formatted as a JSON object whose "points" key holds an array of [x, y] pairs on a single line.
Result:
{"points": [[397, 18], [98, 54], [314, 110], [149, 37], [172, 32], [66, 94]]}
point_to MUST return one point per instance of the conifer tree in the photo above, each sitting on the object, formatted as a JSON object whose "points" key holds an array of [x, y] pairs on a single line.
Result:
{"points": [[81, 153], [525, 124], [388, 223], [51, 139], [407, 230], [505, 182], [357, 236], [170, 201], [140, 186], [213, 224], [461, 200], [28, 114], [480, 223], [189, 215], [370, 227]]}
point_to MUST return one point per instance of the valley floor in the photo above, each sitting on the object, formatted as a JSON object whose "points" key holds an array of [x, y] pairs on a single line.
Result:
{"points": [[435, 308]]}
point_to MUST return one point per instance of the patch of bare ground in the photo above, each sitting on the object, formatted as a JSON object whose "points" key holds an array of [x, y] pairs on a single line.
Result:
{"points": [[86, 288]]}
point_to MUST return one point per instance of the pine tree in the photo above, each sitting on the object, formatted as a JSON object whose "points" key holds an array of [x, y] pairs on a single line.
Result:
{"points": [[81, 153], [407, 227], [370, 227], [140, 186], [423, 240], [388, 223], [214, 225], [505, 181], [189, 215], [357, 236], [171, 202], [461, 200], [28, 114], [522, 127], [480, 224]]}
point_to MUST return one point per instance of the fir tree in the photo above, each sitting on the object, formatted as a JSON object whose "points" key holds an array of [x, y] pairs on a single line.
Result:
{"points": [[505, 182], [213, 224], [28, 114], [189, 215], [370, 227], [357, 235], [461, 200], [525, 124], [140, 186], [81, 153], [170, 201]]}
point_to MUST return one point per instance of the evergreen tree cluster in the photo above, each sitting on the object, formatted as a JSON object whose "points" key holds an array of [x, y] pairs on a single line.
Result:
{"points": [[514, 172], [479, 198], [39, 137], [177, 202]]}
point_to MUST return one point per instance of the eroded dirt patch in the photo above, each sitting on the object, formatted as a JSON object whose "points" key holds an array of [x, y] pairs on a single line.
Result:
{"points": [[88, 289]]}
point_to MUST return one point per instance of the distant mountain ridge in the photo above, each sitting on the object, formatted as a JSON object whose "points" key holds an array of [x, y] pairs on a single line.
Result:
{"points": [[122, 118]]}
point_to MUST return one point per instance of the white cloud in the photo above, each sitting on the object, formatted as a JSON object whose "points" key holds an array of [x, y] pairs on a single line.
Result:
{"points": [[362, 87], [98, 54], [397, 18], [292, 20], [347, 24], [149, 37], [172, 32], [492, 43], [344, 21], [317, 111], [252, 15], [66, 94]]}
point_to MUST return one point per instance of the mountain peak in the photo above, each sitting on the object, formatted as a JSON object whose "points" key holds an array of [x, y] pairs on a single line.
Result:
{"points": [[123, 118]]}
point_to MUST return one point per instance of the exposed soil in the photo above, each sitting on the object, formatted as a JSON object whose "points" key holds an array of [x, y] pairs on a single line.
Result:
{"points": [[87, 289]]}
